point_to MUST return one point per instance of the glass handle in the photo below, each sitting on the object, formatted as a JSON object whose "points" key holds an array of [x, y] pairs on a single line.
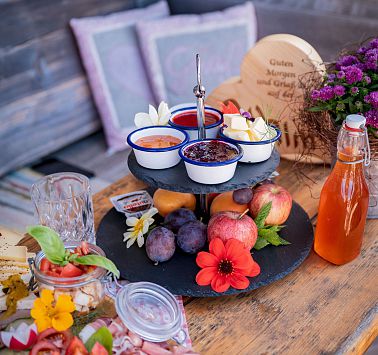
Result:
{"points": [[367, 154], [180, 337], [111, 284]]}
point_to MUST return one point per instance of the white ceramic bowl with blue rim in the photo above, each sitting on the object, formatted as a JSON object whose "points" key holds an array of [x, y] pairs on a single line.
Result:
{"points": [[212, 130], [157, 158], [255, 152], [210, 172]]}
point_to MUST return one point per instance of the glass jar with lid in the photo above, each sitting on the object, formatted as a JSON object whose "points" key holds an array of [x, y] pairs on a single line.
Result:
{"points": [[150, 311], [86, 290]]}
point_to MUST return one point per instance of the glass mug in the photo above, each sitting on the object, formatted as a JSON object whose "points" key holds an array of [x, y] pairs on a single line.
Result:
{"points": [[63, 202]]}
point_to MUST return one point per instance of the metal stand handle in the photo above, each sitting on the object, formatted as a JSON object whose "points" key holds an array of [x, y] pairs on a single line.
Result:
{"points": [[199, 92]]}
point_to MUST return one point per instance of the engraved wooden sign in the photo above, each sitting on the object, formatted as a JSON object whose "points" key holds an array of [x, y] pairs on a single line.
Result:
{"points": [[269, 85]]}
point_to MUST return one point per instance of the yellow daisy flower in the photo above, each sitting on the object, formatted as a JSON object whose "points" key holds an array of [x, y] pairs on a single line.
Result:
{"points": [[138, 228], [47, 315]]}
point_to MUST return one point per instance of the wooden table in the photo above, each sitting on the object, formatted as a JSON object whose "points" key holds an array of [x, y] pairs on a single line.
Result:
{"points": [[319, 308]]}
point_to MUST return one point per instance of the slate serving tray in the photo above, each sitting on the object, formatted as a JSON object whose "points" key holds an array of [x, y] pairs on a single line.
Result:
{"points": [[178, 274], [176, 178]]}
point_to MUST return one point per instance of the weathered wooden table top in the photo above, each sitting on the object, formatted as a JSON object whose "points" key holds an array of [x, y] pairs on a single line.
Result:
{"points": [[319, 308]]}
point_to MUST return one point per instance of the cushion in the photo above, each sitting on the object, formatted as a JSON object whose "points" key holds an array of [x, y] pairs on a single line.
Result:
{"points": [[169, 46], [111, 56]]}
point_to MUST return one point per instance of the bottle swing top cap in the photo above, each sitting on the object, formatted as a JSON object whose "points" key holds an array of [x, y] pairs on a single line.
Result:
{"points": [[354, 123]]}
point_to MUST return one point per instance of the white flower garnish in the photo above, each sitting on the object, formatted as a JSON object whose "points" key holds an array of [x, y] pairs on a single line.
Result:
{"points": [[139, 227], [153, 117]]}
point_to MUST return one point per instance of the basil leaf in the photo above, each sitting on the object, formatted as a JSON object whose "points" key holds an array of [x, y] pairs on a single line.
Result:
{"points": [[260, 243], [50, 243], [102, 336], [263, 214], [98, 260]]}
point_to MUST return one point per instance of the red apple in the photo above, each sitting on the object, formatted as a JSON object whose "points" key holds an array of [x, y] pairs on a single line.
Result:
{"points": [[227, 225], [281, 203]]}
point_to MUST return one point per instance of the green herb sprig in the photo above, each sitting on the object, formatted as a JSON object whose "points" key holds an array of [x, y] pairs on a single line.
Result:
{"points": [[55, 252], [267, 235]]}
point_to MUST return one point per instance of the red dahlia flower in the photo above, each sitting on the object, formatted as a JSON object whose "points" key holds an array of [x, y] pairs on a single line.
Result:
{"points": [[226, 265]]}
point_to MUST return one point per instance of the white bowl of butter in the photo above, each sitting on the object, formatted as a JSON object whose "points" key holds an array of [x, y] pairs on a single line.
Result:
{"points": [[256, 137]]}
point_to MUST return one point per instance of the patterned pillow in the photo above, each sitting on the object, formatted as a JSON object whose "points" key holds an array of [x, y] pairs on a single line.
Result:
{"points": [[112, 59], [169, 46]]}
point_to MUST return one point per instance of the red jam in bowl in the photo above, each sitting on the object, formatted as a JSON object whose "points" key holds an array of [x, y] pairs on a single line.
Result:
{"points": [[158, 141], [211, 152], [189, 119]]}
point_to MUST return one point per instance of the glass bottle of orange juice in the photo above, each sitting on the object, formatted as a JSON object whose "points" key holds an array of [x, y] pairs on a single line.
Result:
{"points": [[344, 198]]}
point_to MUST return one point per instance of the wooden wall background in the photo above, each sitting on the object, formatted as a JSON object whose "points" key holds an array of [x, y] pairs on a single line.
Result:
{"points": [[45, 102]]}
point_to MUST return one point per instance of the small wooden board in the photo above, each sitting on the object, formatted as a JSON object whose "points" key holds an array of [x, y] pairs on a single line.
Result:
{"points": [[269, 85]]}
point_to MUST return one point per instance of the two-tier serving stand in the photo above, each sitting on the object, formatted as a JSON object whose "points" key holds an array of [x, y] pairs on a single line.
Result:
{"points": [[178, 274]]}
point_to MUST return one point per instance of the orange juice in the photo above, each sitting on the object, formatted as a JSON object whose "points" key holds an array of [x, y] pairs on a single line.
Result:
{"points": [[344, 201]]}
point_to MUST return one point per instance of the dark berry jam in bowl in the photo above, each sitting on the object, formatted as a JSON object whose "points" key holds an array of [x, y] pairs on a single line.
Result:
{"points": [[184, 117], [211, 161]]}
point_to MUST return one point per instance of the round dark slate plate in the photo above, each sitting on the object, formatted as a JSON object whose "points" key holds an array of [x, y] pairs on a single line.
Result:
{"points": [[176, 178], [178, 274]]}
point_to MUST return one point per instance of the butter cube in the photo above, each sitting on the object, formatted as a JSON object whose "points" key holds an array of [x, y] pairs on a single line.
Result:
{"points": [[236, 122], [260, 129], [238, 135]]}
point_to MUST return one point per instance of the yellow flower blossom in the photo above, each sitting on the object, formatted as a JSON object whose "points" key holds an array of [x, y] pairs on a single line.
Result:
{"points": [[46, 314], [138, 227]]}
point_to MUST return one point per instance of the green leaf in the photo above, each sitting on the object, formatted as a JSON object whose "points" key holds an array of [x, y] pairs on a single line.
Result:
{"points": [[102, 336], [284, 241], [272, 237], [275, 228], [263, 214], [316, 109], [72, 257], [98, 260], [50, 243], [260, 243]]}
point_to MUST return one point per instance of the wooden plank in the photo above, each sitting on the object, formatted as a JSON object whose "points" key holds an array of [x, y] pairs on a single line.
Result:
{"points": [[24, 20], [332, 32], [304, 182], [319, 308], [361, 9], [367, 8], [42, 123], [312, 311], [39, 64]]}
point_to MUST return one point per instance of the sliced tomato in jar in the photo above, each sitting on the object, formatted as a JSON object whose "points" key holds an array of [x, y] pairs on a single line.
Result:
{"points": [[82, 249], [86, 268], [77, 347], [52, 273], [70, 270], [45, 265], [56, 268]]}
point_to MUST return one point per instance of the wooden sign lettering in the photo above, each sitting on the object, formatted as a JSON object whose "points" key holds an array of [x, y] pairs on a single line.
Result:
{"points": [[269, 85]]}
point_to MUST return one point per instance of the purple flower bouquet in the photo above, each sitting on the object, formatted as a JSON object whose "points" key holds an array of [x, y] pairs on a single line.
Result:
{"points": [[350, 86]]}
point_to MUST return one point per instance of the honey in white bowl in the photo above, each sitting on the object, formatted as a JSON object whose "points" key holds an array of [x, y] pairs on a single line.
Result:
{"points": [[158, 141]]}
